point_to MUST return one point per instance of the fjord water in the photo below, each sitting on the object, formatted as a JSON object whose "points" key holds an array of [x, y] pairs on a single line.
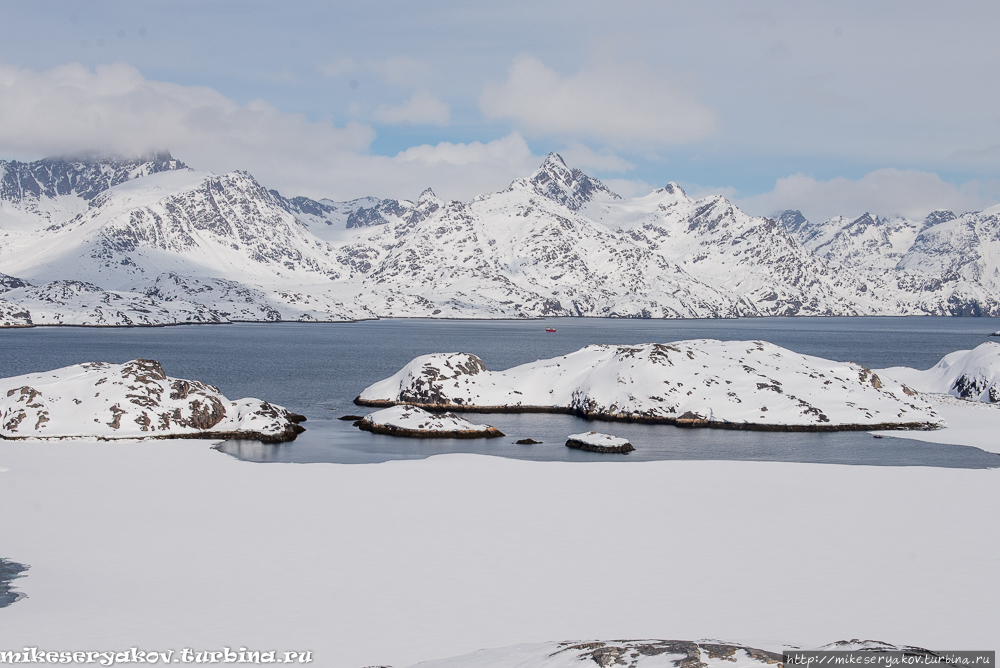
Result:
{"points": [[318, 369]]}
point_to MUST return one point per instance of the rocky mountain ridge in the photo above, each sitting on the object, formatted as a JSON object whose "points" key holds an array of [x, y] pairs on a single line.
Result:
{"points": [[185, 246]]}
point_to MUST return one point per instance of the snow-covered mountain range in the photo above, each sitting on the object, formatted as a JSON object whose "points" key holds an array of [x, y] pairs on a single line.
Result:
{"points": [[150, 241]]}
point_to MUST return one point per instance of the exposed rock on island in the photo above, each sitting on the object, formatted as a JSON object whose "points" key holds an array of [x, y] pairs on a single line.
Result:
{"points": [[697, 383], [595, 442], [967, 374], [133, 400], [414, 422]]}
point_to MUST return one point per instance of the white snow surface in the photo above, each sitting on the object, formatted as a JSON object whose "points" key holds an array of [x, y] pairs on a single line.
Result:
{"points": [[595, 438], [738, 382], [969, 374], [132, 400], [160, 546], [417, 419]]}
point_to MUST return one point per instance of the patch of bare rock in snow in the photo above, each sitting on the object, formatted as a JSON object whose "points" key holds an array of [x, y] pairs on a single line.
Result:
{"points": [[697, 383], [415, 422], [643, 654], [132, 400]]}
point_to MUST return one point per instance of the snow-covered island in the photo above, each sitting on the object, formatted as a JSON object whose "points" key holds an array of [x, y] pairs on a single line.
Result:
{"points": [[697, 383], [415, 422], [132, 400], [595, 442], [967, 374]]}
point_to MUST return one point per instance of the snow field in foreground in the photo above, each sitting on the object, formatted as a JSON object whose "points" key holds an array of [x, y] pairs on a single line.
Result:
{"points": [[171, 545]]}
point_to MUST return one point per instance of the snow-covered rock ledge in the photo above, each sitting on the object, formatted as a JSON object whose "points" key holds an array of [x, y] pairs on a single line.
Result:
{"points": [[414, 422], [132, 400], [697, 383], [595, 442]]}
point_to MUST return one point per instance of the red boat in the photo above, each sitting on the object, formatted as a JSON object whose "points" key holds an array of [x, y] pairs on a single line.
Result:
{"points": [[550, 329]]}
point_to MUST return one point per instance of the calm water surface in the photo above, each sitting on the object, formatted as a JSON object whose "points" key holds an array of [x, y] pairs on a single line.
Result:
{"points": [[318, 369]]}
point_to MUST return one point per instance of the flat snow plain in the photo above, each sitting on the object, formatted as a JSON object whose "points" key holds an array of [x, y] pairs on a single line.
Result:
{"points": [[166, 545]]}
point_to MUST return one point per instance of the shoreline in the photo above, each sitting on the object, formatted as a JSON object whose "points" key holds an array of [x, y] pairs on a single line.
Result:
{"points": [[692, 423], [431, 318]]}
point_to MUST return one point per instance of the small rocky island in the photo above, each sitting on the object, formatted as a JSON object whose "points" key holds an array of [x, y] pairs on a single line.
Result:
{"points": [[968, 374], [133, 400], [697, 383], [414, 422], [594, 442]]}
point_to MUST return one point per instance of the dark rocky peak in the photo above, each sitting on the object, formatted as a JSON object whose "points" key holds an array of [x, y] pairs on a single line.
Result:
{"points": [[85, 177], [300, 204], [426, 195], [791, 220], [866, 219], [938, 217], [672, 189], [570, 187], [377, 215], [10, 283]]}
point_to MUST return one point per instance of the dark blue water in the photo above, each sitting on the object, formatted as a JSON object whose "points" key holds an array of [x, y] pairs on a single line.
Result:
{"points": [[9, 571], [317, 370]]}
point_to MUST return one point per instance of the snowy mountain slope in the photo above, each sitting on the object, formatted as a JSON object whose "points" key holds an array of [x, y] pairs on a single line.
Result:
{"points": [[520, 253], [132, 400], [236, 301], [187, 222], [80, 303], [752, 258], [946, 264], [51, 191], [324, 218], [729, 384], [556, 243]]}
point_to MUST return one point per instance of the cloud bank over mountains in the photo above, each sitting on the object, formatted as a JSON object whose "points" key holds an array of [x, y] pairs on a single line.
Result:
{"points": [[113, 108], [619, 106]]}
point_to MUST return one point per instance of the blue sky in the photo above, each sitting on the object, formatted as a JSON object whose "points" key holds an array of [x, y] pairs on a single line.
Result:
{"points": [[837, 107]]}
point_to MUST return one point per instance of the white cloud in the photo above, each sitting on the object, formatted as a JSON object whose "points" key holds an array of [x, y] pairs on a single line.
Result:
{"points": [[511, 151], [886, 192], [71, 109], [626, 107], [421, 109], [114, 109], [697, 191]]}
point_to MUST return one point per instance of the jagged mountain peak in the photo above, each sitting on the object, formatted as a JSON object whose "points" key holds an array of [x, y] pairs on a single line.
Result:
{"points": [[427, 194], [671, 189], [85, 176], [939, 216], [791, 219], [867, 218], [570, 187]]}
